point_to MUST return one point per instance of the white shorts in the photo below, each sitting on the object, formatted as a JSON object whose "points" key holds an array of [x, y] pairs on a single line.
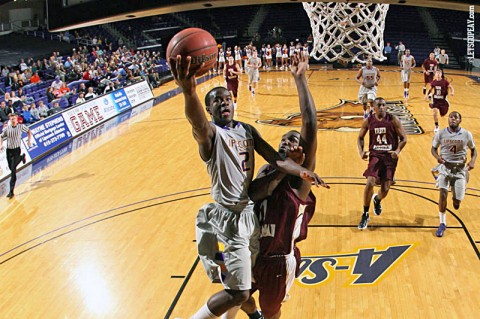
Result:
{"points": [[406, 75], [365, 94], [239, 232], [454, 179], [253, 75], [221, 59], [284, 56]]}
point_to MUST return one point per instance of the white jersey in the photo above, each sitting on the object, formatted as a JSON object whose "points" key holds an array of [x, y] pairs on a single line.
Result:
{"points": [[292, 50], [453, 145], [407, 62], [278, 51], [231, 165], [369, 76], [238, 55]]}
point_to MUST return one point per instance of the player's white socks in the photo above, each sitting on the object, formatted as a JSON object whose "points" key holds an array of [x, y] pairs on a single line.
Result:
{"points": [[443, 218], [204, 313], [231, 313]]}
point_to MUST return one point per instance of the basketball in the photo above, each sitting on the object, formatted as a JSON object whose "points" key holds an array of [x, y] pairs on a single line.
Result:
{"points": [[197, 43]]}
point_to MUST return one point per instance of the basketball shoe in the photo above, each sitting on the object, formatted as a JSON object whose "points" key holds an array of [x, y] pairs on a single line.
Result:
{"points": [[377, 207], [364, 221], [441, 229]]}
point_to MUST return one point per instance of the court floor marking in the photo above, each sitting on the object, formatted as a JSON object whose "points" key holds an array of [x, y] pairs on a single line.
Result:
{"points": [[396, 188]]}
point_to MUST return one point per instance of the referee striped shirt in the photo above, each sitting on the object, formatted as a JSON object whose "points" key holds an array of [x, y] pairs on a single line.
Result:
{"points": [[13, 135]]}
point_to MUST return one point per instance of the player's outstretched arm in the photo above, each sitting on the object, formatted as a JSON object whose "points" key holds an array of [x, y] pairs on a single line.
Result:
{"points": [[202, 130], [308, 132]]}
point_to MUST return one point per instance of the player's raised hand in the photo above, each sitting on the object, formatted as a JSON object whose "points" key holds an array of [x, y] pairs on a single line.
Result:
{"points": [[183, 73], [299, 64]]}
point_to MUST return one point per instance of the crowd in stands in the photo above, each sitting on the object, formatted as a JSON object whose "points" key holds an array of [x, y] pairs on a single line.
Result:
{"points": [[37, 89]]}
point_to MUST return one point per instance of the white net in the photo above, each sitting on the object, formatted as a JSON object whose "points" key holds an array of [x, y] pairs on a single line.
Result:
{"points": [[347, 31]]}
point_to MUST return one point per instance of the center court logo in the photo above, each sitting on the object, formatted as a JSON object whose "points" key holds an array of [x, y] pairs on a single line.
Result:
{"points": [[347, 116], [365, 267]]}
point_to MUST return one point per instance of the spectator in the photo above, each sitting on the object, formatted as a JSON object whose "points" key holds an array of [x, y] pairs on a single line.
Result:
{"points": [[64, 90], [9, 109], [388, 52], [23, 66], [27, 116], [55, 108], [109, 88], [35, 78], [50, 95], [34, 112], [82, 88], [57, 84], [3, 112], [90, 94], [42, 110], [80, 98]]}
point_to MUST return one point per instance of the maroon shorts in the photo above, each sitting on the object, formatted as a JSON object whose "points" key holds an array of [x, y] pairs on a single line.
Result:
{"points": [[440, 104], [232, 86], [382, 168], [272, 281], [428, 78]]}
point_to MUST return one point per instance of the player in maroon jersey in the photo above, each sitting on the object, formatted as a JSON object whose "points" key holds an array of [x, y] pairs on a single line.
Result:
{"points": [[439, 102], [284, 206], [231, 71], [387, 139], [429, 66]]}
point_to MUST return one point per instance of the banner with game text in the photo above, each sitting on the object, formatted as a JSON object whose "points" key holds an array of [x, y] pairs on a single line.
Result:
{"points": [[96, 111], [59, 128]]}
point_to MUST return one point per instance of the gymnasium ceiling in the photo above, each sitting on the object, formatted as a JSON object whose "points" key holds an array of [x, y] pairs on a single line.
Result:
{"points": [[83, 13]]}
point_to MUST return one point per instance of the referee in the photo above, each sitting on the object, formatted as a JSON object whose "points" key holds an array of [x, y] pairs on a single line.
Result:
{"points": [[13, 134]]}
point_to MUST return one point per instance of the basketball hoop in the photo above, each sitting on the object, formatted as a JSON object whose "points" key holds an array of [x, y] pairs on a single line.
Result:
{"points": [[347, 31]]}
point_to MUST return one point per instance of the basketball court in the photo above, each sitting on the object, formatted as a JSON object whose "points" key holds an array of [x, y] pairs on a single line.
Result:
{"points": [[106, 229]]}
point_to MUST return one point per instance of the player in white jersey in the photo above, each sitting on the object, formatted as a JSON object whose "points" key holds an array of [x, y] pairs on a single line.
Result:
{"points": [[370, 76], [452, 169], [221, 61], [226, 146], [268, 56], [253, 64], [238, 55], [278, 55], [407, 64], [306, 53], [248, 53]]}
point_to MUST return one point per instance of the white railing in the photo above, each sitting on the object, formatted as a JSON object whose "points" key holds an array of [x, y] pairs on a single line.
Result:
{"points": [[20, 25]]}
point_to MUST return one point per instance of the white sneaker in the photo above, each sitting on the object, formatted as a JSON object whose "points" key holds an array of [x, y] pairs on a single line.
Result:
{"points": [[436, 130]]}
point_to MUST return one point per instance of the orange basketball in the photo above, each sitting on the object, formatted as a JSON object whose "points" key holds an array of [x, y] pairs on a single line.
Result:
{"points": [[197, 43]]}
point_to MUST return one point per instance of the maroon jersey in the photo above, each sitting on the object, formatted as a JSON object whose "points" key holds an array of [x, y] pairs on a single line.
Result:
{"points": [[231, 77], [440, 92], [283, 219], [429, 65], [383, 136], [440, 89]]}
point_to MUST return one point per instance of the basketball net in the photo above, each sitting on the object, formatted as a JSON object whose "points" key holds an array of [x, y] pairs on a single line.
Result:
{"points": [[347, 31]]}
